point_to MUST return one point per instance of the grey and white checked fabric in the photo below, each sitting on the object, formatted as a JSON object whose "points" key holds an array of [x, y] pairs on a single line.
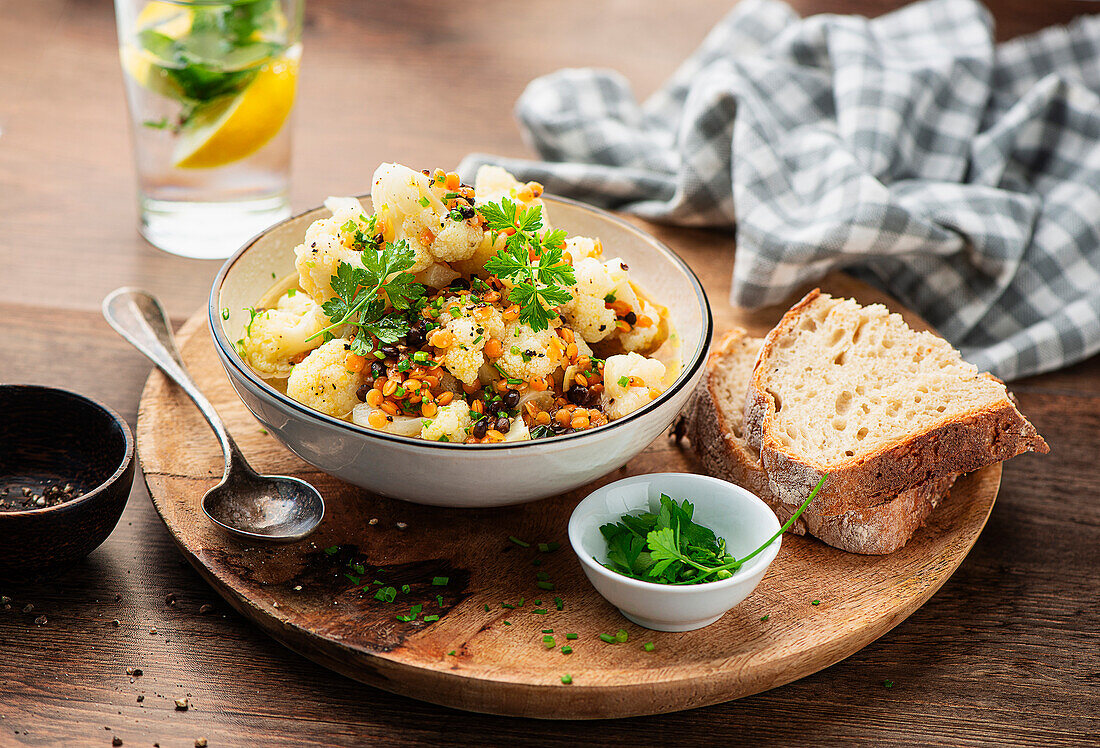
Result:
{"points": [[960, 175]]}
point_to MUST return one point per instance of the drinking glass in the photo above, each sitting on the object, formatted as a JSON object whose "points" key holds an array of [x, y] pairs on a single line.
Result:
{"points": [[211, 87]]}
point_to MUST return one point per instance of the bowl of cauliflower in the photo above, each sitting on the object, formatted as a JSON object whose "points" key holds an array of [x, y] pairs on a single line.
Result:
{"points": [[421, 340]]}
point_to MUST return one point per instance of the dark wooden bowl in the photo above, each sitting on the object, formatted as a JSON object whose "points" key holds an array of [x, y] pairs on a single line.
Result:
{"points": [[50, 435]]}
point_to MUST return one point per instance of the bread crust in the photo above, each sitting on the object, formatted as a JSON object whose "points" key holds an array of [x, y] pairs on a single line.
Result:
{"points": [[968, 443], [875, 530]]}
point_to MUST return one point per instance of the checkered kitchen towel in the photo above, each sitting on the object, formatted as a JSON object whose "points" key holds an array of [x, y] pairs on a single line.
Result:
{"points": [[962, 176]]}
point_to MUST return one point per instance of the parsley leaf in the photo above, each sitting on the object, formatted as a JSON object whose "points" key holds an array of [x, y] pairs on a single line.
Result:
{"points": [[534, 265], [372, 297]]}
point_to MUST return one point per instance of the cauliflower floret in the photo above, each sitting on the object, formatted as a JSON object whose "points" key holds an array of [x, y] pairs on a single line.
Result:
{"points": [[493, 183], [451, 423], [619, 396], [527, 353], [323, 249], [277, 335], [322, 381], [643, 339], [621, 289], [581, 247], [470, 329], [409, 208], [457, 241], [589, 318], [586, 312], [475, 265]]}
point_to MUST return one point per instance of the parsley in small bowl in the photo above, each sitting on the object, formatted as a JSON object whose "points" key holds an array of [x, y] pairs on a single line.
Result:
{"points": [[675, 551]]}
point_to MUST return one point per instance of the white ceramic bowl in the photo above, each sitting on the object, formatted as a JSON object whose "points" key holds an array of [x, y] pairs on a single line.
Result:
{"points": [[463, 475], [732, 512]]}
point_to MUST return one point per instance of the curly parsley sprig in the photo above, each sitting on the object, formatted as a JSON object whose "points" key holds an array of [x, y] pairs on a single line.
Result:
{"points": [[534, 264], [373, 296]]}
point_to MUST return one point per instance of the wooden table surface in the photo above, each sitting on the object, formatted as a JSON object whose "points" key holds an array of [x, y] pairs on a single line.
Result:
{"points": [[1007, 652]]}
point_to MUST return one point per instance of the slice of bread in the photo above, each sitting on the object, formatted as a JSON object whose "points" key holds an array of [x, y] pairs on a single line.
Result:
{"points": [[713, 424], [852, 391]]}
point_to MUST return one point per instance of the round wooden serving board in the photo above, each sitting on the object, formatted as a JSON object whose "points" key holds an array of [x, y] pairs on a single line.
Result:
{"points": [[299, 594]]}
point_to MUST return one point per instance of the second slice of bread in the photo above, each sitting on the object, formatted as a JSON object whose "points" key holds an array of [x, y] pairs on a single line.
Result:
{"points": [[852, 391], [714, 426]]}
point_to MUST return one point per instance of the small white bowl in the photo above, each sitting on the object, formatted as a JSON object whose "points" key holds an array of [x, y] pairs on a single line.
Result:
{"points": [[732, 512]]}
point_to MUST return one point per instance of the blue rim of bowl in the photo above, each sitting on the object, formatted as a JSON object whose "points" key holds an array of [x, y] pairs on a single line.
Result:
{"points": [[127, 434], [229, 354], [588, 562]]}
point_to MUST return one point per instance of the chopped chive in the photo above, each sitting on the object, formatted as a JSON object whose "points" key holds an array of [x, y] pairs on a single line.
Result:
{"points": [[507, 623], [486, 607], [549, 547], [405, 619], [354, 579], [431, 618], [440, 581], [416, 609], [515, 540], [558, 603], [567, 679], [386, 594], [439, 600], [544, 585], [608, 638], [548, 642], [764, 617], [451, 653], [815, 602], [888, 683], [566, 650], [621, 635], [542, 575], [405, 588], [513, 380], [332, 549], [648, 646], [548, 631], [537, 603], [424, 202], [508, 606], [225, 313], [572, 636], [540, 611]]}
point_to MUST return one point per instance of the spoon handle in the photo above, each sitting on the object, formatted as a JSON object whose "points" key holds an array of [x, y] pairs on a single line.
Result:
{"points": [[139, 318]]}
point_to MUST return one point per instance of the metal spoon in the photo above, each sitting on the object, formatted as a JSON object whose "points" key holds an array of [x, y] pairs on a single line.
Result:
{"points": [[245, 503]]}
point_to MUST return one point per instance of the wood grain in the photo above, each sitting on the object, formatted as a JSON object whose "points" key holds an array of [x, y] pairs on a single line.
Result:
{"points": [[1004, 654], [299, 594]]}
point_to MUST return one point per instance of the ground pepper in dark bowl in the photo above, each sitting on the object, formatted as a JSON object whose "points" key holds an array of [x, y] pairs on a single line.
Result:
{"points": [[66, 468]]}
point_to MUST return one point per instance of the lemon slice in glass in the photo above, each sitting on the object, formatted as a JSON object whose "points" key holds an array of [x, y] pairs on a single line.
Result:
{"points": [[238, 127]]}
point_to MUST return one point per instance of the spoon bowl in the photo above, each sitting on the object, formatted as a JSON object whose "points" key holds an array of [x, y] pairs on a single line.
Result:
{"points": [[269, 507], [244, 504]]}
